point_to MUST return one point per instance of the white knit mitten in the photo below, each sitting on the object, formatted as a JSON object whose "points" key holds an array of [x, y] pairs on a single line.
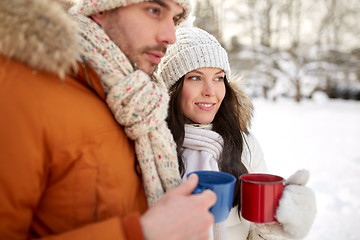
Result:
{"points": [[295, 213]]}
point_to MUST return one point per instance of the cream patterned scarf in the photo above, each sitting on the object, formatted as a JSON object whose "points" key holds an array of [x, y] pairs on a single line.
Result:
{"points": [[138, 104]]}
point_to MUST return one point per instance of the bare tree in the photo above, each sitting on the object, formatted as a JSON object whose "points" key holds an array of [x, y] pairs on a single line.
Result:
{"points": [[273, 38], [340, 18], [252, 17], [266, 22], [208, 17]]}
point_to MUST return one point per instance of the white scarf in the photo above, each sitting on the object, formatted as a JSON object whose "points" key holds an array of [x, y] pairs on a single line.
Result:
{"points": [[138, 104], [202, 151]]}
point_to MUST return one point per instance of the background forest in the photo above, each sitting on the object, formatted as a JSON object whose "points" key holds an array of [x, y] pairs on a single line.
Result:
{"points": [[300, 62], [288, 48]]}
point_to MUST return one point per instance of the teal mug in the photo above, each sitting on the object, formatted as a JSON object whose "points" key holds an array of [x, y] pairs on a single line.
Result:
{"points": [[222, 184]]}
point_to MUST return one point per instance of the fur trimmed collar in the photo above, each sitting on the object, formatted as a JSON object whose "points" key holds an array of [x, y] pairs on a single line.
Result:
{"points": [[245, 104], [39, 33]]}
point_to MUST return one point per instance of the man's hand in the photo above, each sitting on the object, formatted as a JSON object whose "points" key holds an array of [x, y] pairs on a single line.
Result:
{"points": [[179, 214]]}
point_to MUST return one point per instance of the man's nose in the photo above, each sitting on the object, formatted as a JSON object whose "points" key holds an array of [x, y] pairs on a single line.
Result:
{"points": [[166, 32]]}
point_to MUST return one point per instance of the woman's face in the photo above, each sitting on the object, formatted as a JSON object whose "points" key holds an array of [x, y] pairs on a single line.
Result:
{"points": [[202, 94]]}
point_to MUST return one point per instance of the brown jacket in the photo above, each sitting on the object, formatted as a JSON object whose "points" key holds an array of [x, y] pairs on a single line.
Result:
{"points": [[67, 170]]}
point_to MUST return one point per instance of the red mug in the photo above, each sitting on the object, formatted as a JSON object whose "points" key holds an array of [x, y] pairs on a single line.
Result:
{"points": [[260, 194]]}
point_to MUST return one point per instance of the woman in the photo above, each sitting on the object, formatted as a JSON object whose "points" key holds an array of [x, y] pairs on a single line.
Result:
{"points": [[209, 117]]}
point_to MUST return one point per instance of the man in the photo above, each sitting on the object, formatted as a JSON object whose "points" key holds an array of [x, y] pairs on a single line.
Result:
{"points": [[74, 110]]}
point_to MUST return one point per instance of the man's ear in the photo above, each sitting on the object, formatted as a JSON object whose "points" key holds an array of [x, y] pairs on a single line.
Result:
{"points": [[98, 18]]}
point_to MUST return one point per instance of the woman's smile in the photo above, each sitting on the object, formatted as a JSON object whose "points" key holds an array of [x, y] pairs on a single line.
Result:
{"points": [[205, 106]]}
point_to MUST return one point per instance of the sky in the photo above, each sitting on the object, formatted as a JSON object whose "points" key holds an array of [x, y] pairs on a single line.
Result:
{"points": [[322, 136]]}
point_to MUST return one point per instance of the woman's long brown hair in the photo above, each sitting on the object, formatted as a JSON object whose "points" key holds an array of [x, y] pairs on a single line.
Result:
{"points": [[226, 123]]}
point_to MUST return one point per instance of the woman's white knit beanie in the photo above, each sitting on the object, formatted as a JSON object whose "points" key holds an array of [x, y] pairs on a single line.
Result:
{"points": [[90, 7], [194, 48]]}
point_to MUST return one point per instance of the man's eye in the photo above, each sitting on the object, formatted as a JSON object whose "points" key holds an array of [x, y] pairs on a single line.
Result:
{"points": [[195, 78], [219, 79], [154, 11], [176, 20]]}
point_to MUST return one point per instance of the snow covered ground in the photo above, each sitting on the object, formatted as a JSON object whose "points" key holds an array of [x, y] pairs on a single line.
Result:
{"points": [[322, 136]]}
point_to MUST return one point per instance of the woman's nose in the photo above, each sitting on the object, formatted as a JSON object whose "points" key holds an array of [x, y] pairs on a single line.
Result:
{"points": [[208, 90]]}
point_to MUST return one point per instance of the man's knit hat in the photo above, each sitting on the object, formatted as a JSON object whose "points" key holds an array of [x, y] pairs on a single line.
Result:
{"points": [[194, 48], [90, 7]]}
